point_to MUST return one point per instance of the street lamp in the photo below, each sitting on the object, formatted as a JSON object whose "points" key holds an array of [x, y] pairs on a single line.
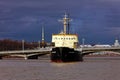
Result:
{"points": [[39, 44], [83, 42], [23, 45]]}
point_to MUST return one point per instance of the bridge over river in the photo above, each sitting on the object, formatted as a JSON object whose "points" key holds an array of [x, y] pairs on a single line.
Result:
{"points": [[89, 50], [34, 54], [26, 54]]}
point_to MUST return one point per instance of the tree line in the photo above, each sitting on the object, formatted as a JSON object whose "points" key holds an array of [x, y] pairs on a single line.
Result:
{"points": [[7, 44]]}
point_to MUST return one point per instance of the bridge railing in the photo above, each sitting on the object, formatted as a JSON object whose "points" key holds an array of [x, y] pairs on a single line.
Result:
{"points": [[25, 51], [98, 49]]}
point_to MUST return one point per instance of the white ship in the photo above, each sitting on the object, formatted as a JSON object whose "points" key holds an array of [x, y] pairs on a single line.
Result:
{"points": [[65, 44]]}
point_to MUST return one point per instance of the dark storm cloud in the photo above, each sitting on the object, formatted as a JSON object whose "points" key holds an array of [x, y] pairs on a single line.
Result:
{"points": [[91, 18]]}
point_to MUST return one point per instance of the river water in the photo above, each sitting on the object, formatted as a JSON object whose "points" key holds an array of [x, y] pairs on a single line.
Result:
{"points": [[92, 68]]}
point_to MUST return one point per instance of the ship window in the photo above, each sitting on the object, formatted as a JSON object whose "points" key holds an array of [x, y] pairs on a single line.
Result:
{"points": [[73, 38], [61, 38], [55, 38]]}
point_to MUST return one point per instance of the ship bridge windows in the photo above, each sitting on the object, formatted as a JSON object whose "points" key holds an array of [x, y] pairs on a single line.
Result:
{"points": [[55, 38], [64, 38], [73, 38]]}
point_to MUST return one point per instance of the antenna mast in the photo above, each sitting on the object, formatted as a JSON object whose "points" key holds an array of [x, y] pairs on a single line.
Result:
{"points": [[66, 21], [69, 25]]}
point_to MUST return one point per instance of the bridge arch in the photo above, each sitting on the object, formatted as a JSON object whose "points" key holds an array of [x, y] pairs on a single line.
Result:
{"points": [[24, 56]]}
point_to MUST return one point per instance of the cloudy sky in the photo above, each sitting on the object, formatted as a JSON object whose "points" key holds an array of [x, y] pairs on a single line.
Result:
{"points": [[97, 21]]}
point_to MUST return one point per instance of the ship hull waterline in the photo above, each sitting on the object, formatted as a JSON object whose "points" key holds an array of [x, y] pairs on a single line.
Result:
{"points": [[65, 54]]}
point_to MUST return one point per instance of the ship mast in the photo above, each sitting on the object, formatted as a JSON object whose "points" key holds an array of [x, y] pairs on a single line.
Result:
{"points": [[66, 21], [69, 25]]}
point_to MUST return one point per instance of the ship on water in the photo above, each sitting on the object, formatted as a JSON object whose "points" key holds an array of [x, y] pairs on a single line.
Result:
{"points": [[65, 44]]}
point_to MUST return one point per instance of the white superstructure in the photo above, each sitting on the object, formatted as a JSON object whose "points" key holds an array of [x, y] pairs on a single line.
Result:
{"points": [[65, 39]]}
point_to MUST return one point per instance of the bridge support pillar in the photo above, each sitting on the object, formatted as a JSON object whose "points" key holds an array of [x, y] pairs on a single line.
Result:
{"points": [[25, 57]]}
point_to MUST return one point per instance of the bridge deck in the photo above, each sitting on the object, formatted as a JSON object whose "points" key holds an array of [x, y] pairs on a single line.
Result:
{"points": [[44, 50]]}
